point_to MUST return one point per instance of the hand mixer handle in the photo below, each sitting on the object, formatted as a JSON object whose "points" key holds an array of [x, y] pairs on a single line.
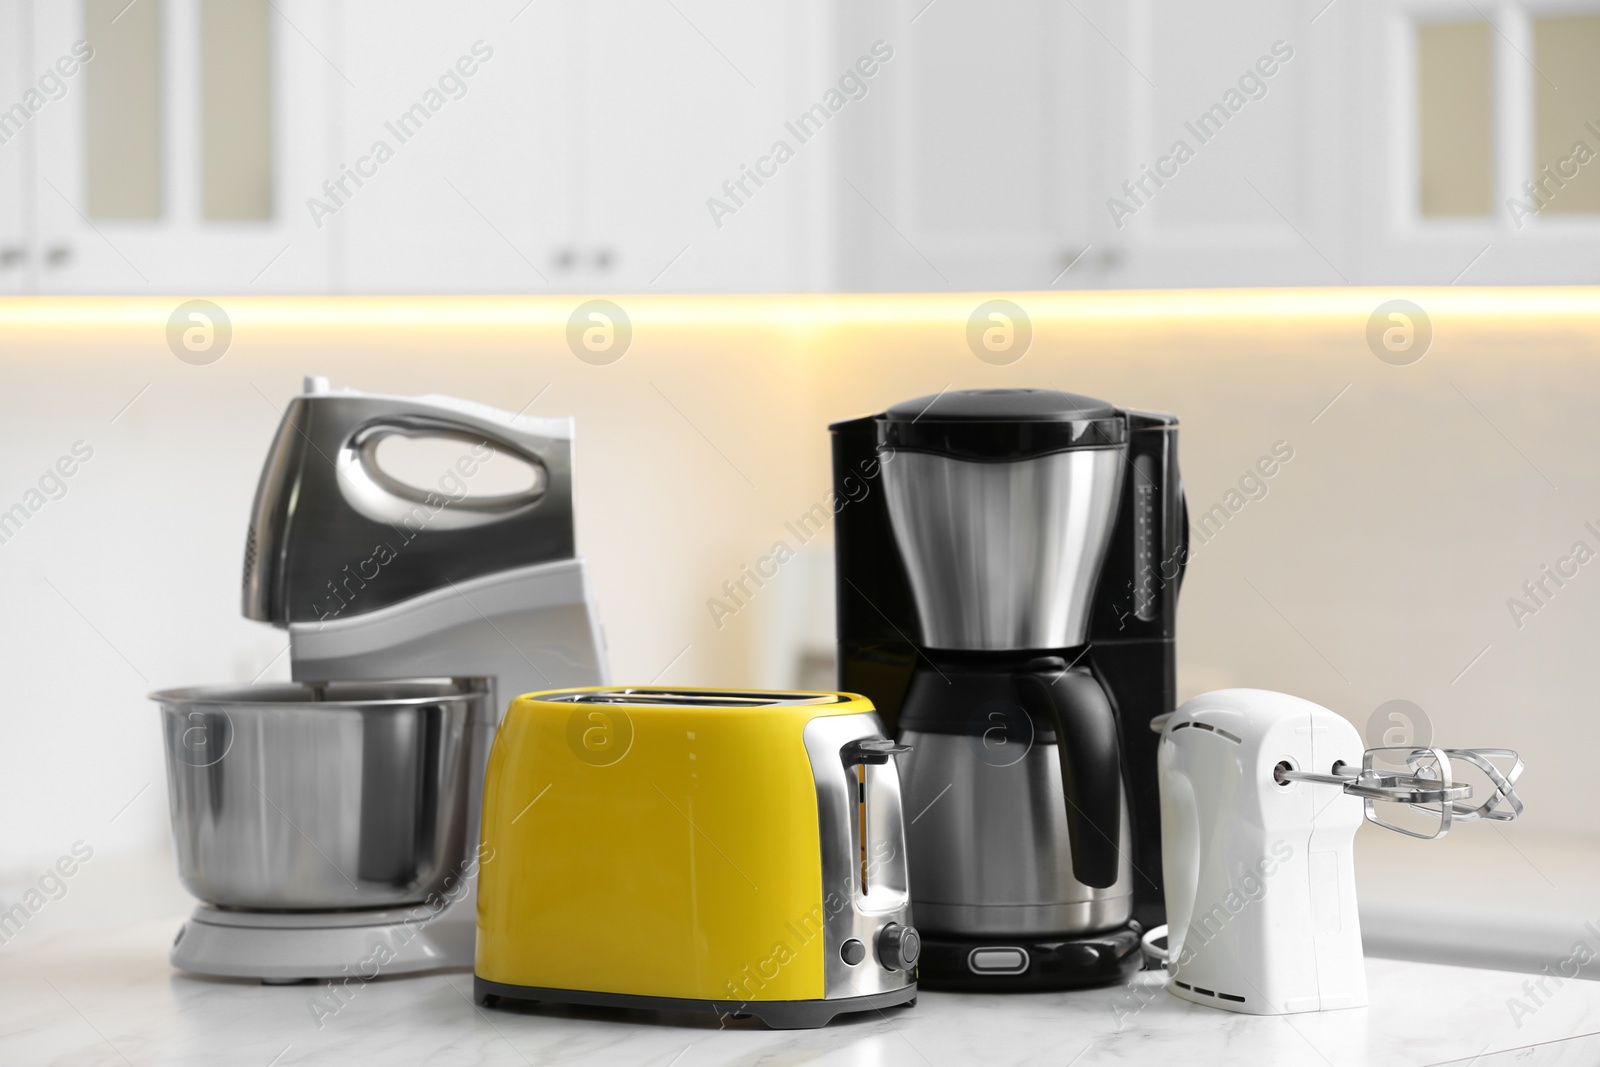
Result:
{"points": [[329, 519], [1091, 772], [365, 440]]}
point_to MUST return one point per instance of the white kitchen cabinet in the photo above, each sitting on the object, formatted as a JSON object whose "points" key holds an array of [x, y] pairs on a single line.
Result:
{"points": [[628, 145], [178, 250], [1397, 242], [680, 99], [1033, 145], [972, 163], [578, 154], [14, 148], [1222, 164], [457, 117], [581, 153], [1005, 142]]}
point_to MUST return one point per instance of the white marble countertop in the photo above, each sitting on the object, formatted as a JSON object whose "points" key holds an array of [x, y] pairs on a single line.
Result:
{"points": [[109, 997]]}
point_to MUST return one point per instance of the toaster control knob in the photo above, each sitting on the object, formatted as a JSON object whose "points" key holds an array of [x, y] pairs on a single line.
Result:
{"points": [[852, 952], [898, 947]]}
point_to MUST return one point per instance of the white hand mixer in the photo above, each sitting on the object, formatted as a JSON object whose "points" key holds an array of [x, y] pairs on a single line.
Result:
{"points": [[1261, 794]]}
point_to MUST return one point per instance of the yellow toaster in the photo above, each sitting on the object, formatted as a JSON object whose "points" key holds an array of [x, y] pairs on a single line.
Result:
{"points": [[706, 850]]}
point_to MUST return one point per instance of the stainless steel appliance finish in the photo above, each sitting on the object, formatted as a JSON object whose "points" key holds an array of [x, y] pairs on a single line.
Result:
{"points": [[862, 834], [320, 819], [328, 796], [1008, 603], [323, 503], [993, 855], [1429, 787], [1004, 555]]}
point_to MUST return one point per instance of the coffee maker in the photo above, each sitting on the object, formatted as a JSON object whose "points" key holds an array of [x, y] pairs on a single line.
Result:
{"points": [[1008, 568]]}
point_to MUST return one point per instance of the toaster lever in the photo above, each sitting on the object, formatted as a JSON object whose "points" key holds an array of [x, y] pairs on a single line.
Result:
{"points": [[874, 750]]}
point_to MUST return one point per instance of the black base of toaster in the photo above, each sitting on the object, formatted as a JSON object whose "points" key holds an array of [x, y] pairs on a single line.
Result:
{"points": [[778, 1014], [1009, 964]]}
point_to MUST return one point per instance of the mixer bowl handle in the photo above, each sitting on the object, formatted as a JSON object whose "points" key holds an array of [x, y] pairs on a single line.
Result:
{"points": [[1091, 771]]}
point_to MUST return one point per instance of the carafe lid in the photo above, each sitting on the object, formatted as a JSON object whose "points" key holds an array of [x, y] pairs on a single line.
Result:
{"points": [[1001, 425]]}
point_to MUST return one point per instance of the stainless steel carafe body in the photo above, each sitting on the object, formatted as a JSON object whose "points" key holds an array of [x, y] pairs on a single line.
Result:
{"points": [[992, 856]]}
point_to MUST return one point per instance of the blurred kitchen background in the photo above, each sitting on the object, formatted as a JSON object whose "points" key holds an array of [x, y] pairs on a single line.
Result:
{"points": [[1098, 161], [228, 145]]}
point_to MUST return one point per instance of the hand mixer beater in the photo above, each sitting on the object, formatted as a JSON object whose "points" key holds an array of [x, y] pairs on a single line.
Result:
{"points": [[1261, 794]]}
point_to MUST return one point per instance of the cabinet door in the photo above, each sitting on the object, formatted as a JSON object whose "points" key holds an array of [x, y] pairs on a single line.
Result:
{"points": [[1222, 161], [969, 166], [455, 115], [15, 145], [679, 99], [580, 153], [1518, 78], [126, 197]]}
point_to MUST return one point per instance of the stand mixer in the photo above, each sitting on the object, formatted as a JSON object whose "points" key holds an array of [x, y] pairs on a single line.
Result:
{"points": [[1261, 795], [331, 825]]}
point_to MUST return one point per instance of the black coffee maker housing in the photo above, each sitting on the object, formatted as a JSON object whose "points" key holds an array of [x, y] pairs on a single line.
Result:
{"points": [[1126, 652]]}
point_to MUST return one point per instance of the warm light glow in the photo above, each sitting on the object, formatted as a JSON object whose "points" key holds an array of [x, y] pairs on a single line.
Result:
{"points": [[1134, 309]]}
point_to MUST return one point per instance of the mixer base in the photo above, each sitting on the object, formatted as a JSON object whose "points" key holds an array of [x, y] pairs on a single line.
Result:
{"points": [[778, 1014], [1000, 964], [285, 947]]}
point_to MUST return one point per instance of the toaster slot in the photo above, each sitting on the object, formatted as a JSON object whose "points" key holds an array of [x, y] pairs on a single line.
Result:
{"points": [[861, 822], [858, 756]]}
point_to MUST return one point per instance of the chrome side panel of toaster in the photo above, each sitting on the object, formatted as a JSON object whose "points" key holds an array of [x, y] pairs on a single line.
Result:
{"points": [[852, 911]]}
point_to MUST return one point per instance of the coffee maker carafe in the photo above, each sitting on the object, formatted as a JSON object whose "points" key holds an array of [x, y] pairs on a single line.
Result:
{"points": [[1007, 591]]}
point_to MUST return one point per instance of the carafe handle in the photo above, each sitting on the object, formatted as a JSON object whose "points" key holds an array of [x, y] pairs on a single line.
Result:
{"points": [[1091, 771]]}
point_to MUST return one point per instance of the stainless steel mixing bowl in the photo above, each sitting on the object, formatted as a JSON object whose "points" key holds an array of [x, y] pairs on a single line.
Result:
{"points": [[337, 795]]}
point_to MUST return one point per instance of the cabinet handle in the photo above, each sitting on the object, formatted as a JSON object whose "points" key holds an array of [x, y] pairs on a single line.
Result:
{"points": [[57, 256], [13, 256]]}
